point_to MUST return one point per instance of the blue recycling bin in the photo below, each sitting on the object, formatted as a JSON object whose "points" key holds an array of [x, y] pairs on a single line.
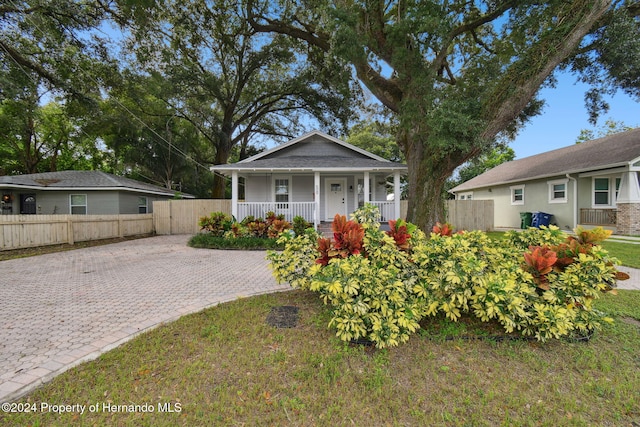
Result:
{"points": [[540, 218]]}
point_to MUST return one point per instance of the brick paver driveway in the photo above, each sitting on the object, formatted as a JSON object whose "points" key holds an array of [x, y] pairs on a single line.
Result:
{"points": [[60, 309]]}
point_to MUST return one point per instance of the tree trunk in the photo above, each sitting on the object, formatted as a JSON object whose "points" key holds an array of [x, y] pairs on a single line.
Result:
{"points": [[223, 151], [427, 175]]}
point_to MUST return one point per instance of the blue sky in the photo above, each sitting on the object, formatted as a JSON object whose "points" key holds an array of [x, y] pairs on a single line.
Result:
{"points": [[565, 115]]}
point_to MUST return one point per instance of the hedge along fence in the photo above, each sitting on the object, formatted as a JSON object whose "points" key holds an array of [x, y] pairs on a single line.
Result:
{"points": [[25, 231]]}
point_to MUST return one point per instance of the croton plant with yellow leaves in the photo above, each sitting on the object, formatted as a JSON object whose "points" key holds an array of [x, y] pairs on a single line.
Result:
{"points": [[379, 284]]}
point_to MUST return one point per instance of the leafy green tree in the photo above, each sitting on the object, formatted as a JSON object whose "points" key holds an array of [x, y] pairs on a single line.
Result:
{"points": [[377, 135], [459, 75], [230, 81], [51, 40], [479, 165], [610, 127], [149, 140]]}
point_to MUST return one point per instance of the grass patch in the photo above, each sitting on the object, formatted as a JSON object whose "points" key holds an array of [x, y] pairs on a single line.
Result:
{"points": [[627, 253], [208, 241], [226, 366]]}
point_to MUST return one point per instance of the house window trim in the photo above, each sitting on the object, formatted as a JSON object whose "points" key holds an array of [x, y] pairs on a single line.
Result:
{"points": [[467, 195], [611, 203], [289, 188], [146, 204], [553, 183], [513, 201], [86, 204]]}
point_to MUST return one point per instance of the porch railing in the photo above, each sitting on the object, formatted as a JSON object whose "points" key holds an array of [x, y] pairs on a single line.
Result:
{"points": [[387, 210], [289, 210], [598, 216]]}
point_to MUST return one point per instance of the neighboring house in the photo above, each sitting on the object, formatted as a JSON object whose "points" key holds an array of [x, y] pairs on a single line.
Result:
{"points": [[78, 192], [593, 184], [315, 176]]}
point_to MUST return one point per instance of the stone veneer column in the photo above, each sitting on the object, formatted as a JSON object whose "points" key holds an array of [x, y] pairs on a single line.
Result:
{"points": [[628, 218]]}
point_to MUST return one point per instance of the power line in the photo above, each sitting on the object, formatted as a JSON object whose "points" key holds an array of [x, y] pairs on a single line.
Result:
{"points": [[120, 104]]}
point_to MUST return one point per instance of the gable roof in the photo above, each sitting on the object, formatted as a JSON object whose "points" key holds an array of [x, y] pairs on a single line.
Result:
{"points": [[304, 154], [81, 180], [620, 149]]}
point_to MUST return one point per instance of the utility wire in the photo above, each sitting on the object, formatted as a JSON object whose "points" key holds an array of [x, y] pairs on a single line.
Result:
{"points": [[120, 104]]}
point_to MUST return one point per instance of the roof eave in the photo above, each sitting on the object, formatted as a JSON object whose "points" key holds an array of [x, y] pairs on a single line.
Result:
{"points": [[534, 178], [129, 189]]}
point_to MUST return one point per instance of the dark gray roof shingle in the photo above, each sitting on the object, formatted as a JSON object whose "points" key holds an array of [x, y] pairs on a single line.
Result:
{"points": [[312, 162], [81, 179], [603, 153]]}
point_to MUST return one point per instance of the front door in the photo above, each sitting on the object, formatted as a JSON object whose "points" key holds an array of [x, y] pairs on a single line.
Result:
{"points": [[335, 197], [28, 204]]}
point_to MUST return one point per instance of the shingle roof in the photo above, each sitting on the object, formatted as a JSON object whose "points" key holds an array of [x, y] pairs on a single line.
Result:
{"points": [[610, 151], [81, 179], [311, 162], [307, 157]]}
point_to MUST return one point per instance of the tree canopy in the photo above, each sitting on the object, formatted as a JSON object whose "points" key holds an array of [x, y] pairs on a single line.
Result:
{"points": [[459, 75]]}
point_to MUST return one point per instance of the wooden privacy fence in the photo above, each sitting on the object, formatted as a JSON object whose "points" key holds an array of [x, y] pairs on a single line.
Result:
{"points": [[25, 231], [470, 214], [181, 216]]}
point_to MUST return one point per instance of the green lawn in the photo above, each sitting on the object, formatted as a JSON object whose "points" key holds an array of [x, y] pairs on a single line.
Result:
{"points": [[227, 366], [627, 253]]}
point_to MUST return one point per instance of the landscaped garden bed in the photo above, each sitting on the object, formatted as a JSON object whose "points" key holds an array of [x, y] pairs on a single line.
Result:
{"points": [[379, 285], [222, 231]]}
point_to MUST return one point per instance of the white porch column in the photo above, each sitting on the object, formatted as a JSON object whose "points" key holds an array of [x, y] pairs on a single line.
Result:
{"points": [[396, 194], [366, 187], [234, 195], [316, 199], [629, 191]]}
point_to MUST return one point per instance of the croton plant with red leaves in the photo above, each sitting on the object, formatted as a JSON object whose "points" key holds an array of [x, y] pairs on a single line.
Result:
{"points": [[348, 238], [401, 232], [445, 229], [539, 262]]}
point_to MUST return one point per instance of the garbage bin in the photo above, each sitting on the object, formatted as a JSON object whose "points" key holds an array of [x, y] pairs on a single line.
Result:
{"points": [[540, 218], [525, 220]]}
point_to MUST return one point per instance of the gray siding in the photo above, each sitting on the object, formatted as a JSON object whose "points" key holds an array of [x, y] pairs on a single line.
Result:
{"points": [[98, 202], [258, 188], [536, 199], [315, 147]]}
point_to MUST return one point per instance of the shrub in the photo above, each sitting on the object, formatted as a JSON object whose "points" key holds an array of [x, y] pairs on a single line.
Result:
{"points": [[217, 223], [521, 240], [300, 225], [277, 227], [210, 241], [379, 285]]}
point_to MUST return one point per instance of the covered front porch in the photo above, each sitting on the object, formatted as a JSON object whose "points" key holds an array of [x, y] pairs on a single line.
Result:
{"points": [[315, 196]]}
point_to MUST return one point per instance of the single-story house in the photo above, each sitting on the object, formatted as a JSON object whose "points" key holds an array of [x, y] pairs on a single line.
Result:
{"points": [[78, 192], [594, 183], [315, 176]]}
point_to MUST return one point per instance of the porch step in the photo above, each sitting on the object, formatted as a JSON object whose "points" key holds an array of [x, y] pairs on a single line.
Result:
{"points": [[324, 228]]}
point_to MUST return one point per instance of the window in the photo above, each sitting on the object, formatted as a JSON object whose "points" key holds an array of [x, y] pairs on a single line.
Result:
{"points": [[618, 180], [601, 193], [557, 191], [142, 205], [78, 203], [282, 193], [517, 195], [465, 196]]}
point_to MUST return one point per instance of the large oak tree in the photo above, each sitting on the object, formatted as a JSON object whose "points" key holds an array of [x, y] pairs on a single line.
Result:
{"points": [[231, 81], [462, 75]]}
